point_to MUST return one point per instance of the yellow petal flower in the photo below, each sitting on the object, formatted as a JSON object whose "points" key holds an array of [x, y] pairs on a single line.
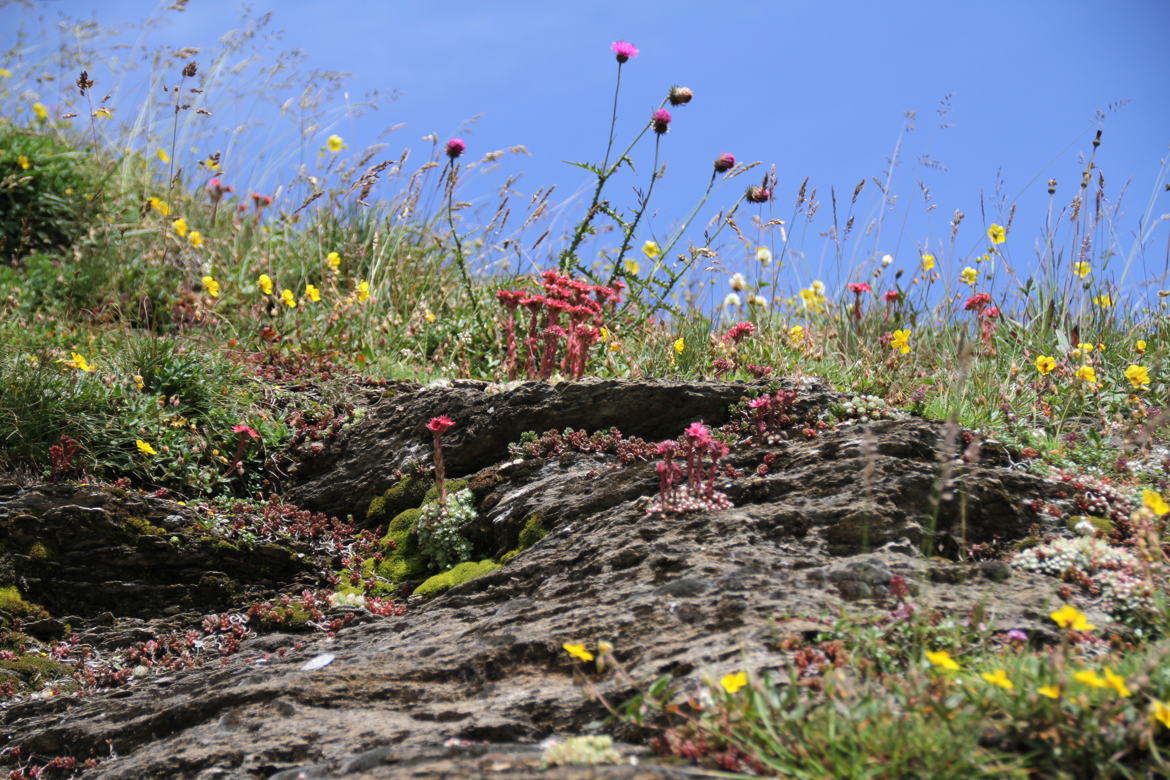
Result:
{"points": [[942, 659], [265, 282], [578, 651], [1154, 502], [1051, 691], [363, 291], [5, 73], [1089, 677], [631, 266], [312, 293], [145, 448], [103, 113], [162, 155], [1138, 376], [997, 234], [78, 362], [1045, 364], [41, 112], [900, 341], [180, 226], [428, 315], [1069, 616], [211, 285], [969, 276], [159, 205], [138, 382], [651, 249], [1160, 711], [1140, 346], [195, 239], [1087, 375], [733, 682], [679, 345], [1082, 269], [927, 262], [289, 299], [334, 261], [998, 677], [1117, 683], [23, 162], [334, 143]]}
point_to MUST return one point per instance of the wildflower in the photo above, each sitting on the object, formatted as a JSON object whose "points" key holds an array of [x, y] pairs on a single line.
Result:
{"points": [[969, 276], [1045, 364], [1140, 346], [265, 282], [757, 300], [996, 233], [1153, 501], [758, 194], [312, 293], [145, 448], [23, 162], [624, 50], [733, 682], [288, 298], [892, 296], [441, 424], [1104, 301], [724, 162], [333, 260], [211, 285], [998, 677], [159, 205], [737, 282], [796, 335], [1087, 374], [334, 143], [1082, 269], [651, 249], [900, 340], [195, 239], [977, 302], [245, 429], [78, 362], [764, 256], [363, 291], [578, 651], [887, 260], [103, 113], [455, 147], [41, 112], [1138, 376], [1083, 348], [1069, 616], [1117, 683], [180, 226], [731, 300], [428, 315], [983, 258], [1051, 691], [211, 163], [5, 73], [679, 345], [216, 190], [1089, 677], [927, 262], [680, 95], [1160, 711], [942, 659], [660, 120], [162, 155]]}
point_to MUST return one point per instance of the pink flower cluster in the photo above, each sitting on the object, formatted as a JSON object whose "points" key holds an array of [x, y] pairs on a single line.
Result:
{"points": [[739, 332], [858, 289], [980, 303], [770, 413], [698, 493], [584, 306]]}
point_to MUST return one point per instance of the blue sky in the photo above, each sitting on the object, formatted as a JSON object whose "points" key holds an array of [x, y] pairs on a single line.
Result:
{"points": [[818, 89]]}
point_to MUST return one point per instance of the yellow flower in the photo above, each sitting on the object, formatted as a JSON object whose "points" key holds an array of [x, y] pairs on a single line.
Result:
{"points": [[603, 332], [162, 155], [145, 448], [1140, 346], [631, 266], [1117, 683], [1051, 691], [334, 143], [77, 362], [1082, 269], [5, 73], [796, 335], [1104, 301], [943, 660], [23, 162], [1087, 374], [983, 258], [363, 291], [138, 382], [180, 226], [313, 293], [195, 238], [41, 112], [998, 677], [265, 282], [733, 682], [1084, 348], [1160, 711], [679, 345], [1045, 364], [615, 346], [1153, 501], [1138, 376], [901, 341], [103, 113], [334, 261], [651, 249], [289, 299], [1089, 677], [927, 262], [428, 315], [996, 233], [1069, 616], [969, 276], [578, 651], [210, 164], [212, 286], [159, 205]]}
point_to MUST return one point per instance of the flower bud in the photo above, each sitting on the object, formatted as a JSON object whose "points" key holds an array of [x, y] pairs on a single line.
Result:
{"points": [[680, 95], [724, 162], [455, 147]]}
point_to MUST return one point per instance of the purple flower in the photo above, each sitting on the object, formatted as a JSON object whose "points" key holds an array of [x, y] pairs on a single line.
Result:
{"points": [[724, 162], [758, 194], [660, 119], [455, 147], [1016, 635], [624, 50]]}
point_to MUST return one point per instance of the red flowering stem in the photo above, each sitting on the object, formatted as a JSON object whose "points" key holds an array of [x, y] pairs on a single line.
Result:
{"points": [[238, 458], [530, 342], [440, 470]]}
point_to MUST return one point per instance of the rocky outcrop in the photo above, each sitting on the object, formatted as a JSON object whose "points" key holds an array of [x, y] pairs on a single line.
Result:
{"points": [[466, 683]]}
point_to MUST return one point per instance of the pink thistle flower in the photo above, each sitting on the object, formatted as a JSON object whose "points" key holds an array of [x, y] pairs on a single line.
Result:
{"points": [[758, 194], [680, 95], [977, 302], [892, 296], [624, 50], [440, 424], [739, 332], [724, 162], [455, 147], [858, 288], [660, 119]]}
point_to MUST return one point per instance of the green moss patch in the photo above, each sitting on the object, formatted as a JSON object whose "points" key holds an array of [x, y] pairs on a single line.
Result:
{"points": [[14, 604], [408, 492], [456, 575]]}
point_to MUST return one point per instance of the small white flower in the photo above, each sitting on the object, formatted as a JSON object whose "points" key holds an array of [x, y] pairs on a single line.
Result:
{"points": [[731, 301], [764, 256], [887, 260], [758, 300], [738, 282]]}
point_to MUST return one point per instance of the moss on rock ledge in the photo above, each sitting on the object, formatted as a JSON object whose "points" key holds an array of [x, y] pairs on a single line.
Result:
{"points": [[456, 575]]}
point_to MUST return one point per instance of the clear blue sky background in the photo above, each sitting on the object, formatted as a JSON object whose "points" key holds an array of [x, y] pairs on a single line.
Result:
{"points": [[818, 88]]}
